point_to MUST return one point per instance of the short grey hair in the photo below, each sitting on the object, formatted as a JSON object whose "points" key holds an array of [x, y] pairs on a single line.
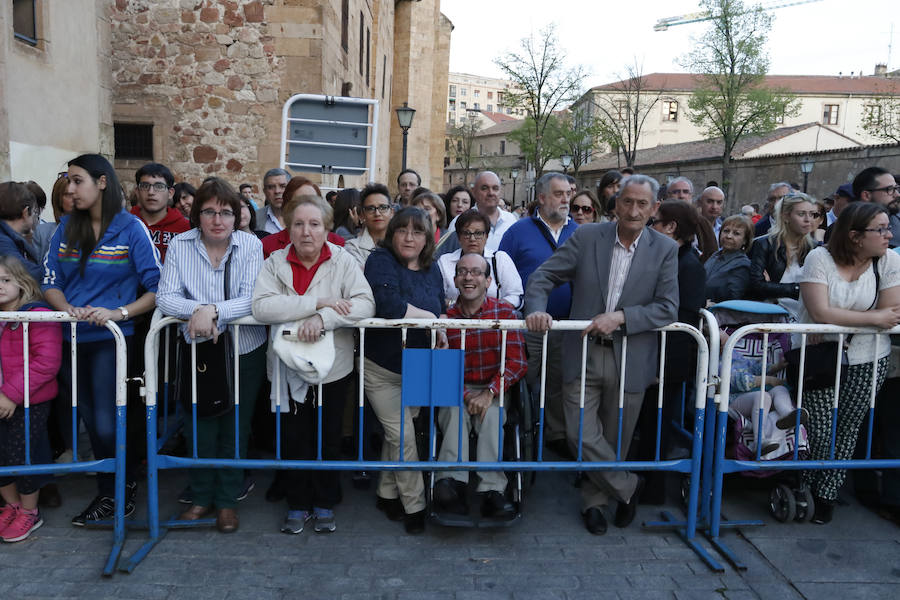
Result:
{"points": [[276, 173], [481, 174], [541, 185], [638, 179], [689, 183], [775, 186]]}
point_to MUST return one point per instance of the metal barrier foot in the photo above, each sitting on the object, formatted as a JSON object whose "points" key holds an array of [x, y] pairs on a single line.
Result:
{"points": [[113, 559], [725, 551], [142, 553], [678, 526]]}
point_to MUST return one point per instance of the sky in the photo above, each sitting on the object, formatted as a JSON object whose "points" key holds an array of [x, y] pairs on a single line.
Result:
{"points": [[818, 38]]}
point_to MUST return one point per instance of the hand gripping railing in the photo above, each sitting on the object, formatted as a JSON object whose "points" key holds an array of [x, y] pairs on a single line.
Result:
{"points": [[722, 465], [691, 466], [114, 465]]}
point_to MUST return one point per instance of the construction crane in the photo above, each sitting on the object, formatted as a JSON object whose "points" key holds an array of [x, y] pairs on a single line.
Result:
{"points": [[705, 15]]}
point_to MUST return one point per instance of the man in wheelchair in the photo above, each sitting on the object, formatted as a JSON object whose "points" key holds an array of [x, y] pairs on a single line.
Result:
{"points": [[484, 374]]}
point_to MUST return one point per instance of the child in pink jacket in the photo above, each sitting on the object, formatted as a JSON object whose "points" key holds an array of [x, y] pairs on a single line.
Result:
{"points": [[20, 292]]}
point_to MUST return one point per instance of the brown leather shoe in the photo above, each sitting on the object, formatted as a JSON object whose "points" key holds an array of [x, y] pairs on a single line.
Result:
{"points": [[227, 520], [194, 512]]}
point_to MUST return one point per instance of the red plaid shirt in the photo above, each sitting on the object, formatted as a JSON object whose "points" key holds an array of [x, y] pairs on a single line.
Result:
{"points": [[483, 347]]}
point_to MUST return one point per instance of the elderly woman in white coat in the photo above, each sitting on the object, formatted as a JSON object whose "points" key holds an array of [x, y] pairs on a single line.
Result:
{"points": [[317, 287]]}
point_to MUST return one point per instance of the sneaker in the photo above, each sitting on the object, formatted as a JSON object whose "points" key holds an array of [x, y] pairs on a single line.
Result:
{"points": [[246, 488], [22, 526], [7, 515], [101, 508], [294, 521], [324, 520], [186, 496]]}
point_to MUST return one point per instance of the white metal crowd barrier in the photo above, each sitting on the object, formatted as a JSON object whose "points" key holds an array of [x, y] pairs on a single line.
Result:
{"points": [[794, 462], [115, 465], [690, 467]]}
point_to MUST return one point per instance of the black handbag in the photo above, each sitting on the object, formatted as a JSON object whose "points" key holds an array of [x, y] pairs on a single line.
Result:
{"points": [[214, 371], [819, 367]]}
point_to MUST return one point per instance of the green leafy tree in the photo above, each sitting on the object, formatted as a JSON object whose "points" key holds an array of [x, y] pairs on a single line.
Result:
{"points": [[539, 148], [542, 83], [578, 134], [732, 100], [882, 118]]}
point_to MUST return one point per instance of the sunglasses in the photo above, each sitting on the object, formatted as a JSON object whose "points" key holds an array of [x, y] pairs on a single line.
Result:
{"points": [[585, 209]]}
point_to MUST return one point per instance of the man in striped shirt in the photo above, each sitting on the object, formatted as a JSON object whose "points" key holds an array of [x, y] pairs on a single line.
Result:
{"points": [[485, 377]]}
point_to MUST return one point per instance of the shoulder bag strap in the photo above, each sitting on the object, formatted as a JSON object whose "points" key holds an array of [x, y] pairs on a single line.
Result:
{"points": [[496, 274], [543, 229]]}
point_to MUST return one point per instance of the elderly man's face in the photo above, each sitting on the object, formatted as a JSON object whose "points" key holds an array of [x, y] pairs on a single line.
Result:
{"points": [[273, 190], [711, 203], [487, 193], [774, 196], [554, 203], [634, 207]]}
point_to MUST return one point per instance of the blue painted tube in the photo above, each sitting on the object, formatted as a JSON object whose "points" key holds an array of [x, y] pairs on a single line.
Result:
{"points": [[540, 448], [319, 424], [696, 466], [718, 474], [870, 427], [152, 473], [834, 418], [759, 432], [580, 431], [27, 434], [619, 435], [658, 432], [707, 456], [121, 453]]}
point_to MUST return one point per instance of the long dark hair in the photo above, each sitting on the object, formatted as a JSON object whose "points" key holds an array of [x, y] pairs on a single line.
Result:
{"points": [[79, 230], [347, 199], [849, 227]]}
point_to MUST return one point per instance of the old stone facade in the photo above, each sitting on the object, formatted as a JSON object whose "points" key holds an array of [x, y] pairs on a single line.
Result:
{"points": [[211, 76]]}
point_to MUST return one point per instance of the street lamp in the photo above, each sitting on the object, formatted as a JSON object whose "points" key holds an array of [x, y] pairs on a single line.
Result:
{"points": [[515, 175], [806, 167], [405, 116], [566, 160]]}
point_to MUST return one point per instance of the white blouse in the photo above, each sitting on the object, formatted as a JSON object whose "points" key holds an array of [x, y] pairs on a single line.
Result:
{"points": [[851, 295]]}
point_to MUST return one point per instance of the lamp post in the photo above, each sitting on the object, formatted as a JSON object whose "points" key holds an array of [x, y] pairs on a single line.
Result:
{"points": [[806, 167], [566, 160], [405, 116], [515, 175]]}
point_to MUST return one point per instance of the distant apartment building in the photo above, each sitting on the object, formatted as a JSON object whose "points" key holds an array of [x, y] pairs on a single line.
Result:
{"points": [[473, 92], [837, 102]]}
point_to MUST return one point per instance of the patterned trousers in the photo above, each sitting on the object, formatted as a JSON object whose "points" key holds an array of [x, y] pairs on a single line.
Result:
{"points": [[852, 406]]}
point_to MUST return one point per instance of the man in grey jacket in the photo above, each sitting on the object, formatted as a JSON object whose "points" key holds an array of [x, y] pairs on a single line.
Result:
{"points": [[624, 279]]}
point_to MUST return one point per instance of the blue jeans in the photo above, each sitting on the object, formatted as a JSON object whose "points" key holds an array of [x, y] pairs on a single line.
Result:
{"points": [[96, 399]]}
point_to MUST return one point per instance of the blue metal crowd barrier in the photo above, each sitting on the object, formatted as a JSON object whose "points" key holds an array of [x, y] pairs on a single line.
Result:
{"points": [[690, 466], [115, 465], [795, 462]]}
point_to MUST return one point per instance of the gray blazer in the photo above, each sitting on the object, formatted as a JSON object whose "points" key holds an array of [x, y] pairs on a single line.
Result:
{"points": [[649, 297]]}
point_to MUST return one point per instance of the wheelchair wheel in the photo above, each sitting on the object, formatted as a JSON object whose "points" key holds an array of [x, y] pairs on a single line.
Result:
{"points": [[782, 504]]}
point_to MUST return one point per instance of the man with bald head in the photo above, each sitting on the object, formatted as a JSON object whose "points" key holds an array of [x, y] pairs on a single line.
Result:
{"points": [[486, 191], [710, 204]]}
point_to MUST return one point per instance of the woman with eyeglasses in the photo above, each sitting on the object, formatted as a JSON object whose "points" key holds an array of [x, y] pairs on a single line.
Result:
{"points": [[472, 229], [585, 208], [376, 209], [776, 258], [728, 269], [406, 283], [839, 286], [820, 221], [208, 281], [100, 258]]}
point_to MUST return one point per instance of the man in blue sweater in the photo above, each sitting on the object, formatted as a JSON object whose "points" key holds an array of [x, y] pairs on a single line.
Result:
{"points": [[529, 242]]}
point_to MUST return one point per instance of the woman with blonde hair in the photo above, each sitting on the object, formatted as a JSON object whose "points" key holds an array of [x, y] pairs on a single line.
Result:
{"points": [[777, 258]]}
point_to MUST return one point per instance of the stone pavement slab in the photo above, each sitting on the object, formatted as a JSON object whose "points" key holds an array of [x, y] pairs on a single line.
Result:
{"points": [[548, 555]]}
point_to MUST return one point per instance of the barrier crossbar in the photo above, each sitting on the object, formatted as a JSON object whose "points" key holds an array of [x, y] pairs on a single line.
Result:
{"points": [[723, 465], [690, 466], [115, 465]]}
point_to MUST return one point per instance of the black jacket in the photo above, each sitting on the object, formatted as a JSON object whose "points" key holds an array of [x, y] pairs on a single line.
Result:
{"points": [[765, 259], [681, 349], [727, 276]]}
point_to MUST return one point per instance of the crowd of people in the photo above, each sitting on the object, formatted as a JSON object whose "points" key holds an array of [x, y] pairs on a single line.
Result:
{"points": [[630, 256]]}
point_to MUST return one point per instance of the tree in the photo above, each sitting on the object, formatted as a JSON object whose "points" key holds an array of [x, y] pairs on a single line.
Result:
{"points": [[462, 144], [538, 149], [578, 134], [542, 83], [622, 109], [882, 118], [732, 100]]}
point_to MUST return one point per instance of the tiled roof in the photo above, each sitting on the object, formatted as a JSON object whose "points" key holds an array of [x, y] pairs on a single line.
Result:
{"points": [[502, 127], [798, 84], [702, 149], [498, 117]]}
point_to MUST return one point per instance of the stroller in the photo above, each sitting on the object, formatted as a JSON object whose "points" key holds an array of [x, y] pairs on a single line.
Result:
{"points": [[789, 498]]}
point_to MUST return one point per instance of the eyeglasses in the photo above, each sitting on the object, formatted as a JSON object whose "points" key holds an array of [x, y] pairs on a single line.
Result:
{"points": [[890, 189], [811, 214], [159, 186], [62, 175], [404, 232], [463, 272], [882, 231], [212, 214], [380, 209], [585, 209], [474, 235]]}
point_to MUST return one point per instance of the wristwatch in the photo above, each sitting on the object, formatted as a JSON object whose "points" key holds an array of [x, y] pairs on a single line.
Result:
{"points": [[124, 312]]}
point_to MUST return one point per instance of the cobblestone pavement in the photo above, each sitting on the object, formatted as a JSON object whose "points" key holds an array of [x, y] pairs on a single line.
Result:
{"points": [[547, 555]]}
